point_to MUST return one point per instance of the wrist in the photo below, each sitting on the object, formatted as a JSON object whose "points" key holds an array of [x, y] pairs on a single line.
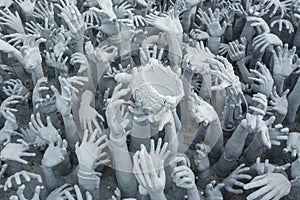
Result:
{"points": [[193, 190], [157, 195]]}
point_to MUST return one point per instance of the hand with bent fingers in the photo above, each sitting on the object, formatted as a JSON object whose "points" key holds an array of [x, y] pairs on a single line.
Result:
{"points": [[15, 87], [262, 41], [36, 194], [213, 191], [284, 60], [66, 194], [263, 80], [282, 6], [288, 25], [278, 134], [266, 167], [279, 104], [233, 180], [271, 186], [183, 177], [28, 176]]}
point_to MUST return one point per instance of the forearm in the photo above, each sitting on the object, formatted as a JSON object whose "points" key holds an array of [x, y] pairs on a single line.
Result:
{"points": [[71, 131], [232, 151], [187, 18], [87, 97], [123, 165], [140, 134], [214, 44], [244, 71], [293, 102], [50, 179], [254, 150], [37, 74], [125, 52], [279, 83], [175, 50], [88, 179], [204, 178], [171, 138]]}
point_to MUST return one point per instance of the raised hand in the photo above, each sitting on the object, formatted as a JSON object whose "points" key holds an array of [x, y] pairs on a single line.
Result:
{"points": [[226, 74], [104, 54], [159, 153], [263, 80], [212, 22], [11, 20], [63, 100], [15, 87], [237, 50], [49, 133], [88, 117], [201, 158], [284, 60], [67, 194], [107, 7], [266, 167], [202, 111], [147, 176], [278, 134], [262, 41], [167, 23], [292, 144], [74, 21], [288, 25], [55, 154], [8, 102], [59, 193], [14, 152], [271, 186], [233, 180], [28, 176], [279, 104], [117, 117], [199, 56], [81, 59], [36, 194], [146, 56], [213, 191], [44, 10], [183, 177], [259, 24], [91, 153], [58, 63], [282, 6], [27, 6], [41, 102]]}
